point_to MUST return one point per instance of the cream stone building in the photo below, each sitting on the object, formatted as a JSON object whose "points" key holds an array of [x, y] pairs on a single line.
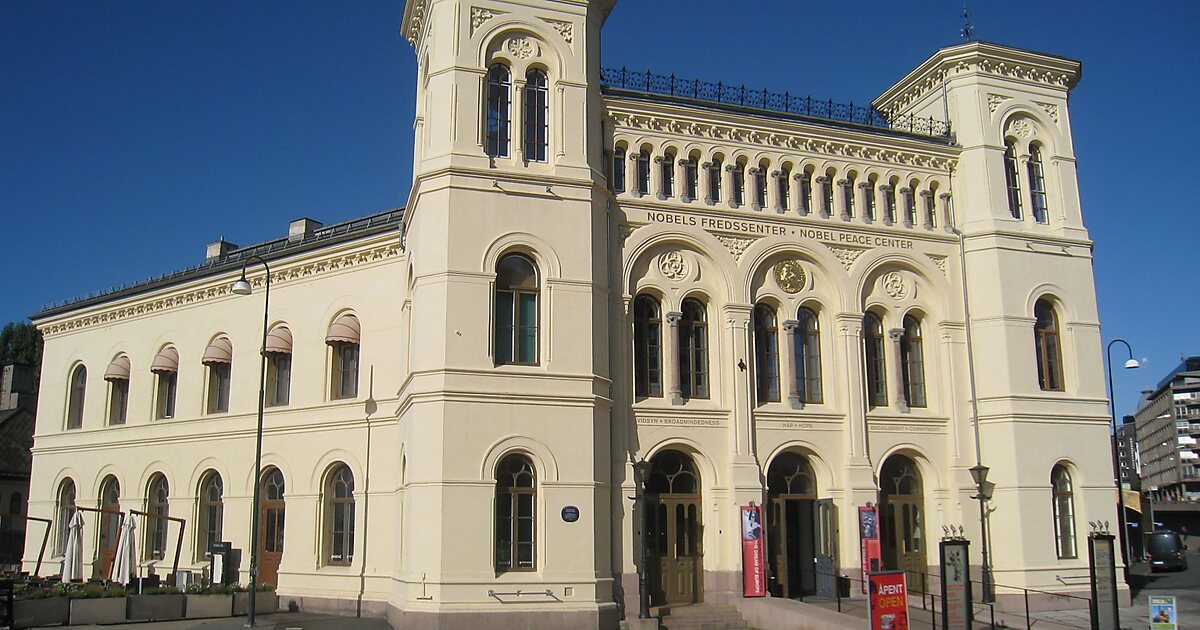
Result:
{"points": [[765, 298]]}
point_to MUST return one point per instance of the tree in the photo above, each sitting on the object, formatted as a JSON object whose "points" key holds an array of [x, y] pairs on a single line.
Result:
{"points": [[20, 342]]}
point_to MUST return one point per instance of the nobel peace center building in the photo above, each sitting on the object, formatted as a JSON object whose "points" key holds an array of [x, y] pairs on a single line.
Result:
{"points": [[616, 308]]}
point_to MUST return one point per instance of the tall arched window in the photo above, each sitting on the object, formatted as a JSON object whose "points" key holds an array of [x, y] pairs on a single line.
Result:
{"points": [[666, 176], [156, 525], [109, 520], [848, 193], [912, 355], [117, 376], [516, 525], [64, 511], [165, 368], [218, 358], [826, 182], [876, 367], [889, 200], [691, 179], [806, 192], [537, 106], [499, 88], [766, 353], [211, 513], [760, 186], [714, 180], [1064, 512], [693, 350], [339, 516], [647, 346], [784, 192], [643, 172], [618, 170], [516, 311], [739, 185], [869, 199], [344, 339], [78, 388], [1011, 180], [279, 366], [1049, 356], [1037, 185], [808, 356]]}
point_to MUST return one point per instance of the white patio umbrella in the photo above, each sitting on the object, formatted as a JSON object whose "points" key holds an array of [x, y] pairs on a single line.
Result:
{"points": [[125, 562], [72, 567]]}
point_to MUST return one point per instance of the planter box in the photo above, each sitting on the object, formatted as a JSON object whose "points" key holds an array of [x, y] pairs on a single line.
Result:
{"points": [[267, 602], [206, 606], [99, 610], [50, 611], [156, 607]]}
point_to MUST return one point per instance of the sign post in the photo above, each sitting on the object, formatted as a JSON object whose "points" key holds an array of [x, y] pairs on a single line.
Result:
{"points": [[868, 536], [754, 570], [1164, 615], [887, 600], [1103, 567], [956, 584]]}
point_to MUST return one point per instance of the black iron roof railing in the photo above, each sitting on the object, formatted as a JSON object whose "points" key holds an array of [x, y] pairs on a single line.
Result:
{"points": [[231, 260], [741, 96]]}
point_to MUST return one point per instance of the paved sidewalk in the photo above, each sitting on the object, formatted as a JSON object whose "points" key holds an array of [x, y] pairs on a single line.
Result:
{"points": [[275, 621]]}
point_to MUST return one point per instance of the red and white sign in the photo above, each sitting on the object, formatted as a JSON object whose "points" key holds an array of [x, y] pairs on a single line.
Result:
{"points": [[754, 569], [887, 600], [868, 536]]}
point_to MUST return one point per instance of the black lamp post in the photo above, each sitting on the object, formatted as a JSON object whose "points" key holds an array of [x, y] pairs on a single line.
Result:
{"points": [[1130, 364], [979, 474], [641, 472], [242, 287]]}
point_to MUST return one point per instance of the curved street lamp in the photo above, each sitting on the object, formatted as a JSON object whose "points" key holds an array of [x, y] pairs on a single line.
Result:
{"points": [[242, 287], [1130, 364]]}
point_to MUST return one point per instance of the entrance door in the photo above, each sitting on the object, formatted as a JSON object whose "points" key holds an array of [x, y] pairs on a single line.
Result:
{"points": [[902, 520], [825, 524], [791, 543], [270, 543], [110, 527], [675, 529]]}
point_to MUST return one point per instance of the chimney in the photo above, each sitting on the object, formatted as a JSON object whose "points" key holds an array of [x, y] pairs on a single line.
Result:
{"points": [[17, 389], [301, 229], [218, 248]]}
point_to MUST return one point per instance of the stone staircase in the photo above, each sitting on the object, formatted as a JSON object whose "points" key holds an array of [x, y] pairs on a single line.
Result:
{"points": [[700, 617]]}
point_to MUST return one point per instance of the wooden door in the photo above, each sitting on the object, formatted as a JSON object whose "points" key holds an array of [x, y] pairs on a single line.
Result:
{"points": [[271, 520], [677, 531], [902, 521], [826, 534], [109, 527]]}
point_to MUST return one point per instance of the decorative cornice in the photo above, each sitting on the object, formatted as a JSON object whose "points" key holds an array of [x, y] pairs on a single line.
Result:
{"points": [[415, 19]]}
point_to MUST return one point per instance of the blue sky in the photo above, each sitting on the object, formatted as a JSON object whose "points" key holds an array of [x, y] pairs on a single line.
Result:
{"points": [[133, 133]]}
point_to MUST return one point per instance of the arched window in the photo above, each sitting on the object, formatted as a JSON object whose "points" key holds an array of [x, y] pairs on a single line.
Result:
{"points": [[274, 511], [691, 179], [110, 522], [75, 397], [889, 199], [766, 354], [279, 366], [739, 185], [157, 492], [643, 172], [1049, 356], [826, 182], [339, 516], [499, 87], [165, 368], [344, 339], [218, 358], [1037, 185], [64, 511], [876, 367], [693, 350], [647, 346], [516, 498], [1064, 512], [910, 205], [537, 105], [666, 175], [1011, 181], [211, 513], [714, 181], [912, 355], [618, 170], [784, 183], [848, 192], [808, 356], [760, 187], [806, 192], [117, 376], [516, 311]]}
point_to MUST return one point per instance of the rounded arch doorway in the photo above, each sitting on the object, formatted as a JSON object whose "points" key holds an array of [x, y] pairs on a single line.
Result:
{"points": [[801, 530], [902, 519], [674, 529], [272, 509]]}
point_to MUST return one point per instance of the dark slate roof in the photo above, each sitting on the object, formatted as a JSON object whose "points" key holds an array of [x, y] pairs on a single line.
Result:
{"points": [[270, 250], [16, 438]]}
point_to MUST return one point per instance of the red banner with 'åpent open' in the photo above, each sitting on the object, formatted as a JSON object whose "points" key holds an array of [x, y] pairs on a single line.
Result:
{"points": [[754, 570]]}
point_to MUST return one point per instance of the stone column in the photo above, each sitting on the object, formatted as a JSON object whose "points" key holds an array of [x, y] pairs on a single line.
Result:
{"points": [[947, 219], [849, 394], [656, 178], [681, 181], [840, 199], [517, 140], [728, 187], [791, 327], [737, 329], [884, 210], [704, 183], [752, 175], [671, 358], [631, 173], [868, 202], [906, 202], [821, 195], [897, 364]]}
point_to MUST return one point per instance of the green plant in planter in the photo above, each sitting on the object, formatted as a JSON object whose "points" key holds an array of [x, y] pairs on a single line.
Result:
{"points": [[161, 590]]}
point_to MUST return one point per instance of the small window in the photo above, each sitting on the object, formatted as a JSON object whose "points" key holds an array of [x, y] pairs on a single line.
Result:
{"points": [[808, 356], [869, 199], [211, 512], [1064, 512], [1046, 346], [75, 396], [693, 350], [806, 192], [618, 170], [666, 173], [499, 87], [848, 195], [910, 207], [889, 199], [766, 354], [156, 525], [166, 370], [912, 355], [739, 186], [1037, 185], [714, 181], [343, 339], [876, 367], [516, 521], [65, 510], [537, 106], [339, 516], [1011, 180], [647, 346], [218, 358], [117, 376], [784, 184], [516, 311], [826, 195], [760, 187], [643, 172], [930, 211], [279, 366], [690, 178]]}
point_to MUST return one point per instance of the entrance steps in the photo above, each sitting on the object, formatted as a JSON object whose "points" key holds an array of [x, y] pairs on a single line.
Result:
{"points": [[700, 617]]}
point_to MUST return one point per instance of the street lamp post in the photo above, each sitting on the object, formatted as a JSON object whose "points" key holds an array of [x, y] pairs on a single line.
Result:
{"points": [[979, 474], [1130, 364], [242, 287], [641, 472]]}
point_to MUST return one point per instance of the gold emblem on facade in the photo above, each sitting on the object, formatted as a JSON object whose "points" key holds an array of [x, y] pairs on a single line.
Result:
{"points": [[789, 275]]}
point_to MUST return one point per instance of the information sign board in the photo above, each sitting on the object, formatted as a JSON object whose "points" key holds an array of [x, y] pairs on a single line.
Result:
{"points": [[1164, 615], [887, 600], [956, 585]]}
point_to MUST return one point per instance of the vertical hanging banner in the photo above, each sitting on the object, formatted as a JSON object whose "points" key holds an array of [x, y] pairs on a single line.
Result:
{"points": [[956, 585], [887, 600], [754, 570], [868, 536]]}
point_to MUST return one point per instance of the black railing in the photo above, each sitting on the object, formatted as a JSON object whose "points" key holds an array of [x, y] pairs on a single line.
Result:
{"points": [[742, 96]]}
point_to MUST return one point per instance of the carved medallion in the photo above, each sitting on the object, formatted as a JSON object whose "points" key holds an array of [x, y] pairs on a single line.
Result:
{"points": [[894, 285], [1022, 128], [522, 47], [789, 275], [673, 266]]}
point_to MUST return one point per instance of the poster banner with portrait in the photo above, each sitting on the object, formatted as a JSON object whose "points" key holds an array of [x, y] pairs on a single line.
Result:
{"points": [[868, 536], [956, 584], [1163, 613], [887, 600], [754, 569]]}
